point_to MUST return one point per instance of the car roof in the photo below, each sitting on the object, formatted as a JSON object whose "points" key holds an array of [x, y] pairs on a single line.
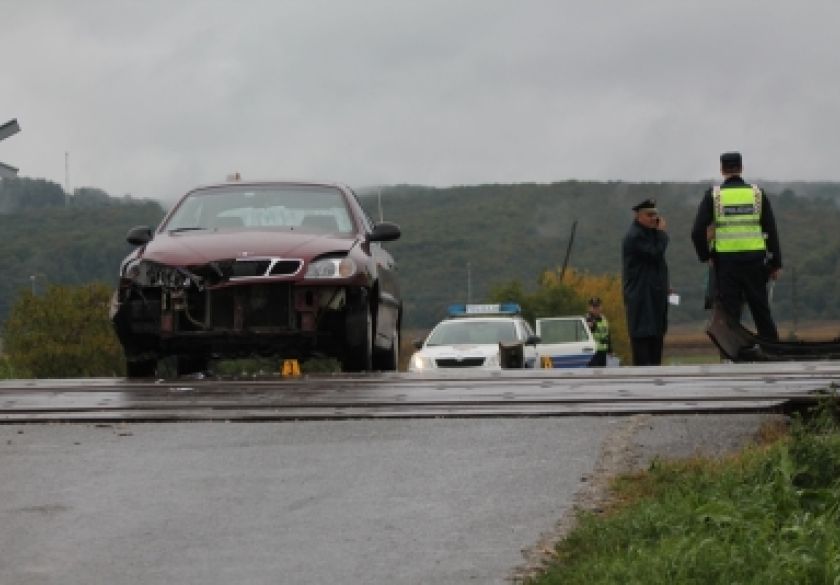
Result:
{"points": [[264, 182]]}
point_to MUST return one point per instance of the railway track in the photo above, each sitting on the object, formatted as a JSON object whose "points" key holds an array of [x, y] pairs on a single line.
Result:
{"points": [[670, 389]]}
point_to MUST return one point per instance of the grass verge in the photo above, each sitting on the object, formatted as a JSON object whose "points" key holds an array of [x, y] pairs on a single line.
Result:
{"points": [[768, 515]]}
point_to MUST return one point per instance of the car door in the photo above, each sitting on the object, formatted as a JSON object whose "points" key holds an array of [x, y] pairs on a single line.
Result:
{"points": [[530, 356], [567, 341]]}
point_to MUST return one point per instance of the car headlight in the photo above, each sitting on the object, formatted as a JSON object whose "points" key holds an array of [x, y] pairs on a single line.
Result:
{"points": [[146, 273], [331, 268], [419, 362], [493, 360]]}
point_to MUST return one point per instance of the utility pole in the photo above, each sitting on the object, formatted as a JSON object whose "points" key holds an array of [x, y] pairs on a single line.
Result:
{"points": [[66, 178], [568, 251], [32, 279], [469, 284], [794, 300]]}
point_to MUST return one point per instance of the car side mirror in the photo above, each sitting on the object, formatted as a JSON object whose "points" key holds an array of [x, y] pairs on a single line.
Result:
{"points": [[533, 340], [417, 343], [139, 235], [384, 232]]}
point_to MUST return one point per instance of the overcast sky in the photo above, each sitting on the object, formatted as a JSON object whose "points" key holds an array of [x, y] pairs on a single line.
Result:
{"points": [[153, 97]]}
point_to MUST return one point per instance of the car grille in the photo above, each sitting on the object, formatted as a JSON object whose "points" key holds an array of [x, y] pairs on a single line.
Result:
{"points": [[218, 271], [282, 267], [254, 306], [470, 362], [245, 268], [264, 267]]}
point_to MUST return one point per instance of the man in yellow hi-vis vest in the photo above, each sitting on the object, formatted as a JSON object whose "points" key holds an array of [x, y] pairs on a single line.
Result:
{"points": [[745, 249]]}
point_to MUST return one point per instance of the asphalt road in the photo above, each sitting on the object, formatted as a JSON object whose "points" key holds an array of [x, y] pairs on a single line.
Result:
{"points": [[368, 502], [353, 501]]}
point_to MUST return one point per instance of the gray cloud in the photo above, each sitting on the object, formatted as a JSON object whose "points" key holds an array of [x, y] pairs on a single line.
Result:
{"points": [[154, 97]]}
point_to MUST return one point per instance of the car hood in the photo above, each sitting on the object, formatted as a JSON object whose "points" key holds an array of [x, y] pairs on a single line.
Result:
{"points": [[191, 248]]}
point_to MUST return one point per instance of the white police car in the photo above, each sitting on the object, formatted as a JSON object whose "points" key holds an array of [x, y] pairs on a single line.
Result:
{"points": [[565, 341], [470, 338]]}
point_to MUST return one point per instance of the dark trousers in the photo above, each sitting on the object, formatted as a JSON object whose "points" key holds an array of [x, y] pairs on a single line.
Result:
{"points": [[647, 351], [746, 281], [599, 360]]}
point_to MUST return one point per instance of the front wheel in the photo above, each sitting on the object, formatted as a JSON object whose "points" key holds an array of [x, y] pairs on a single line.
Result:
{"points": [[358, 350]]}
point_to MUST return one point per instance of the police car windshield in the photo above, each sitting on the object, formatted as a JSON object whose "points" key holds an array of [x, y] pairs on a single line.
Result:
{"points": [[472, 332]]}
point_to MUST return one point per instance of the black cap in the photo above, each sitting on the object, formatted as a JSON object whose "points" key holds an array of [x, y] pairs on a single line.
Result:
{"points": [[646, 204], [730, 160], [595, 302]]}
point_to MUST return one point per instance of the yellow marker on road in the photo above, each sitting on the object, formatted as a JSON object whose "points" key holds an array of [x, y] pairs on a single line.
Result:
{"points": [[291, 368], [545, 361]]}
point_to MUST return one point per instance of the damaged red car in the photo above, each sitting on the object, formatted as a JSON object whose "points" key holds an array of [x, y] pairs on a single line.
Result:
{"points": [[286, 269]]}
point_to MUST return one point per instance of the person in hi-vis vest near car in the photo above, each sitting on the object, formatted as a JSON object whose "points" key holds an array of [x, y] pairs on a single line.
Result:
{"points": [[600, 329], [744, 248]]}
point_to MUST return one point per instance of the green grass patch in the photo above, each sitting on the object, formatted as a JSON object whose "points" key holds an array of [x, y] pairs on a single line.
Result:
{"points": [[272, 367], [770, 515]]}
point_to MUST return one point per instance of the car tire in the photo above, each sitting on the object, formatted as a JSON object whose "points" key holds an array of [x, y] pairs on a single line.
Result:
{"points": [[140, 368], [388, 360], [358, 351]]}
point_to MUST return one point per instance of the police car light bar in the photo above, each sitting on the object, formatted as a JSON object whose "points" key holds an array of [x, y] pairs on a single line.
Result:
{"points": [[463, 310]]}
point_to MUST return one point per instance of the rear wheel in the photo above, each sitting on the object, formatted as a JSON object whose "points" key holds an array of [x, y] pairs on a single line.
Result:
{"points": [[388, 360]]}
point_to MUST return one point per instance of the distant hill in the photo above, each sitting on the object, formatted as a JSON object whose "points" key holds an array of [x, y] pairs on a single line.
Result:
{"points": [[501, 232]]}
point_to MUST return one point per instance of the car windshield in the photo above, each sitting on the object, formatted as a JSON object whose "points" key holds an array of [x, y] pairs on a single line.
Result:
{"points": [[562, 331], [466, 331], [310, 209]]}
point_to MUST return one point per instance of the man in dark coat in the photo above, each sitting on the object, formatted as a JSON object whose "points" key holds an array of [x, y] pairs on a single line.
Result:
{"points": [[644, 277], [745, 252]]}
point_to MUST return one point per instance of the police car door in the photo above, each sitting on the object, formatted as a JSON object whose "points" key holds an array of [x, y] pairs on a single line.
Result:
{"points": [[529, 352]]}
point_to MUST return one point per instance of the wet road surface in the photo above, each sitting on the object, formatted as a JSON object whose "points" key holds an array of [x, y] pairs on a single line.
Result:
{"points": [[364, 502]]}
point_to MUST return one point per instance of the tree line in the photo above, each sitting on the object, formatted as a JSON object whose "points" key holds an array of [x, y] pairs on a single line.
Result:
{"points": [[456, 241]]}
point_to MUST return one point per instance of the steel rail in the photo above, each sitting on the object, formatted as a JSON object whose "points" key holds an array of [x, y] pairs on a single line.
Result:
{"points": [[729, 388]]}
